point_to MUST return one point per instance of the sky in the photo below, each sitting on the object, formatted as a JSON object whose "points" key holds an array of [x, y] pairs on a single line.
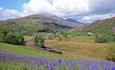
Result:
{"points": [[85, 11]]}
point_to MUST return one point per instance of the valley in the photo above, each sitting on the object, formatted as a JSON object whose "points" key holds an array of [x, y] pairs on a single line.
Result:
{"points": [[43, 39]]}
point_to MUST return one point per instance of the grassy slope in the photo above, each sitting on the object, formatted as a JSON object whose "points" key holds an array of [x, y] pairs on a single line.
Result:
{"points": [[101, 27], [24, 50]]}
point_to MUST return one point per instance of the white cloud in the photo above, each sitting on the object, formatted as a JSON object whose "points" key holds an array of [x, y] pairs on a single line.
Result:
{"points": [[9, 13], [0, 8], [92, 18], [70, 7], [89, 10], [37, 6], [57, 7]]}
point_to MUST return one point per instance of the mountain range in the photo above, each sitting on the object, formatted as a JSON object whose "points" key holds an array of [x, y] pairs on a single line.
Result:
{"points": [[106, 26]]}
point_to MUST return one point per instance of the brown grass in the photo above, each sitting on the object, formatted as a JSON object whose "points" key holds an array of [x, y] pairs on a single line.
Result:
{"points": [[82, 49]]}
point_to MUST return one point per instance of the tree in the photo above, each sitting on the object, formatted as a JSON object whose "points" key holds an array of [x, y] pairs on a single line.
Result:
{"points": [[2, 38], [19, 38], [39, 41], [11, 37], [102, 39], [113, 38]]}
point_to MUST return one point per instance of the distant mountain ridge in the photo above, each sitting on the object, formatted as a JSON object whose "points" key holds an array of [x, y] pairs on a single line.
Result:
{"points": [[106, 26], [36, 23], [72, 20], [39, 19]]}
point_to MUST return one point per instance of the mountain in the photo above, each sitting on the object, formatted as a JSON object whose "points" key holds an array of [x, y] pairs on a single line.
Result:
{"points": [[106, 26], [72, 20], [39, 19], [45, 23]]}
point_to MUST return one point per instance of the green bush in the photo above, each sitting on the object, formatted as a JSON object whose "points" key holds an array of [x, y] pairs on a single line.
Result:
{"points": [[102, 39], [113, 38], [60, 38], [111, 53], [39, 41], [11, 37]]}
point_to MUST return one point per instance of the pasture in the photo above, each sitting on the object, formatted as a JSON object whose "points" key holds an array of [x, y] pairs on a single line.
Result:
{"points": [[83, 46], [79, 46], [28, 51]]}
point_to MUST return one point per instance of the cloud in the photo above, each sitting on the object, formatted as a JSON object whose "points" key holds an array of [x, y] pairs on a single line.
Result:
{"points": [[37, 7], [70, 7], [87, 10], [56, 7], [101, 6], [9, 13], [92, 18]]}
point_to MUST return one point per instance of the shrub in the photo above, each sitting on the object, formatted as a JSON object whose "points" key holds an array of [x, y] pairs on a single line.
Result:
{"points": [[113, 38], [39, 41], [12, 38], [2, 38], [65, 34], [102, 39], [20, 39], [49, 37], [60, 38], [111, 53]]}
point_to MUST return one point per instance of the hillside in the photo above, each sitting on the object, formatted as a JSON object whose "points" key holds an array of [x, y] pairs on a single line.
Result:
{"points": [[39, 19], [106, 26], [25, 50], [36, 23]]}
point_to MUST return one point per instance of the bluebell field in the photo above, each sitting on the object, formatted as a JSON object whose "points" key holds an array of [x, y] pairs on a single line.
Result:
{"points": [[10, 61]]}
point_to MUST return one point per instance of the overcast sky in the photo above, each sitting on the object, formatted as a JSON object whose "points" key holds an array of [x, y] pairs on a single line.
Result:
{"points": [[82, 10]]}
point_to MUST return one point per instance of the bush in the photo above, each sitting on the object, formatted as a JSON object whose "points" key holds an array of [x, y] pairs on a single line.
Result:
{"points": [[102, 39], [11, 38], [113, 38], [2, 38], [39, 41], [111, 53], [50, 37], [60, 38]]}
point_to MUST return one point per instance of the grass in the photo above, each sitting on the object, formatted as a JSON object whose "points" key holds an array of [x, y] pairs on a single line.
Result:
{"points": [[82, 38], [25, 50], [103, 27], [72, 49], [80, 48]]}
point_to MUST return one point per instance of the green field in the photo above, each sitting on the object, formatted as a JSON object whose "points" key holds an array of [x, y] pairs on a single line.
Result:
{"points": [[25, 50]]}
